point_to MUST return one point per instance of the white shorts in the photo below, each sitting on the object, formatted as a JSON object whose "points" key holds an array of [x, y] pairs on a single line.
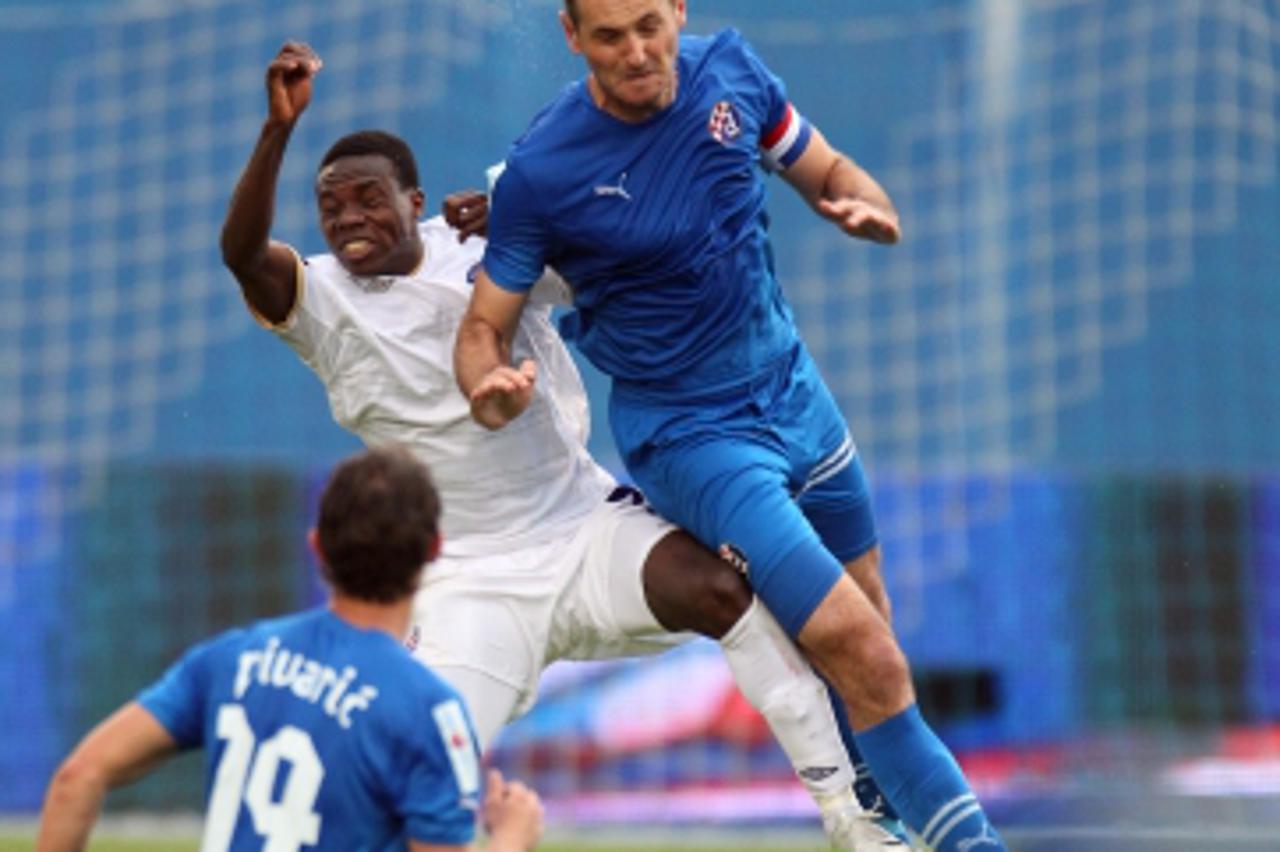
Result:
{"points": [[507, 617]]}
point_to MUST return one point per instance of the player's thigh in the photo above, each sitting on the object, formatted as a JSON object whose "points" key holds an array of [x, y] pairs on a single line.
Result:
{"points": [[827, 474], [831, 485], [838, 507], [602, 610], [688, 587], [483, 615], [731, 492], [491, 702]]}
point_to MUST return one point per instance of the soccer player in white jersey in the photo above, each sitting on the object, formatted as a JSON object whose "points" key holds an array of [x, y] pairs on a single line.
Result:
{"points": [[545, 557], [370, 749]]}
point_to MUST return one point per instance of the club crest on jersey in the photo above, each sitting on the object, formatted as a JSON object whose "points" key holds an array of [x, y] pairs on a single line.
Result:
{"points": [[724, 124]]}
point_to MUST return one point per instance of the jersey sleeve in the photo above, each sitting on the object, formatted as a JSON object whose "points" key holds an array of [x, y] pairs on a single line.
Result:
{"points": [[177, 699], [442, 789], [298, 287], [519, 241], [785, 133], [551, 289], [309, 329]]}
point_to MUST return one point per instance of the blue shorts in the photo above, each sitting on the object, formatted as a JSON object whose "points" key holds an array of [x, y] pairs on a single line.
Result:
{"points": [[769, 469]]}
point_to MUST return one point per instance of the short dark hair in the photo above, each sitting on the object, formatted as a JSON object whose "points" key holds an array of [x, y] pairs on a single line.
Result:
{"points": [[379, 524], [379, 143], [571, 8]]}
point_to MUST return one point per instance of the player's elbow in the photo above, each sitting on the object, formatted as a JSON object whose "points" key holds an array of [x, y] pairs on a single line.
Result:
{"points": [[79, 779]]}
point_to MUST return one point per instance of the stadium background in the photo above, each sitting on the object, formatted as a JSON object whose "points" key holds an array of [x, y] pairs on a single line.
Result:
{"points": [[1064, 381]]}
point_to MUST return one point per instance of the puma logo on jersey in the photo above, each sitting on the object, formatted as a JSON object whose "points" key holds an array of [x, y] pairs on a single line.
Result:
{"points": [[618, 191]]}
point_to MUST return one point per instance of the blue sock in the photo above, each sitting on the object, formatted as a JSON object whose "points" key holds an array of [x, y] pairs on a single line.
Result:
{"points": [[864, 786], [919, 775]]}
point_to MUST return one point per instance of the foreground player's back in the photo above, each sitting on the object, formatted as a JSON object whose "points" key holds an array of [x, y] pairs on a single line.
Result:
{"points": [[324, 735]]}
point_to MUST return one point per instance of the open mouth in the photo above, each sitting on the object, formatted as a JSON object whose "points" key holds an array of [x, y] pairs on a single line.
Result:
{"points": [[356, 250]]}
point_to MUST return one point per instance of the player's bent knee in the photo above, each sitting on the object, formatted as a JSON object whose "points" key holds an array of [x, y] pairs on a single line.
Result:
{"points": [[884, 664], [872, 655], [874, 677], [855, 648], [690, 588], [725, 596]]}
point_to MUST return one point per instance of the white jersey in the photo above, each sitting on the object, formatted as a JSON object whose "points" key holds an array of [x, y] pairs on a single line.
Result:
{"points": [[383, 346]]}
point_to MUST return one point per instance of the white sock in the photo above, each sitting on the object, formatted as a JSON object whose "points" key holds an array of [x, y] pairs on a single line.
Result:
{"points": [[778, 682]]}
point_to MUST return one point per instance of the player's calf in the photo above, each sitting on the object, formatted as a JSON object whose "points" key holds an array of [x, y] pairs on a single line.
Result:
{"points": [[853, 646]]}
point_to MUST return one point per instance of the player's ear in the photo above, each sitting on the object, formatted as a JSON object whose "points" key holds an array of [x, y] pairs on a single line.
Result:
{"points": [[418, 199], [570, 32], [313, 543], [682, 12], [433, 549]]}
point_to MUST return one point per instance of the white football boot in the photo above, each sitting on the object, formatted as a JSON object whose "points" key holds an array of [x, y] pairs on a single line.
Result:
{"points": [[849, 827]]}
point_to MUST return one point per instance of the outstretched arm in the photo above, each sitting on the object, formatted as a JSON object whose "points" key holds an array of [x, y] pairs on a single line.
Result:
{"points": [[498, 392], [122, 749], [267, 270], [839, 189]]}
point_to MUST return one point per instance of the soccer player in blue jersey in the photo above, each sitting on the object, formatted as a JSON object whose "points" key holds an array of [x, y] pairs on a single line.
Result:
{"points": [[642, 186], [320, 729]]}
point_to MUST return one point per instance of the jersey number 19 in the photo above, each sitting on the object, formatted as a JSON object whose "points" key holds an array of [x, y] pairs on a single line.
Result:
{"points": [[242, 774]]}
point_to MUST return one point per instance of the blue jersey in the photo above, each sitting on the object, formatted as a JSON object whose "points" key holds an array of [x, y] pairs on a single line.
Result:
{"points": [[321, 735], [660, 227]]}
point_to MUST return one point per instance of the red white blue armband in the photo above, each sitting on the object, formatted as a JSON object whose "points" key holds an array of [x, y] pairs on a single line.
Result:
{"points": [[782, 144]]}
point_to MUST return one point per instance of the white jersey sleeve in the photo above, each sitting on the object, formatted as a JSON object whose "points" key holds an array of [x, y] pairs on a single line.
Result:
{"points": [[383, 347], [551, 289]]}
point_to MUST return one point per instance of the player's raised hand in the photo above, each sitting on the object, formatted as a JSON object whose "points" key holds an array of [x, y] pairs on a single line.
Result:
{"points": [[289, 81], [467, 211], [503, 394], [512, 814], [861, 219]]}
